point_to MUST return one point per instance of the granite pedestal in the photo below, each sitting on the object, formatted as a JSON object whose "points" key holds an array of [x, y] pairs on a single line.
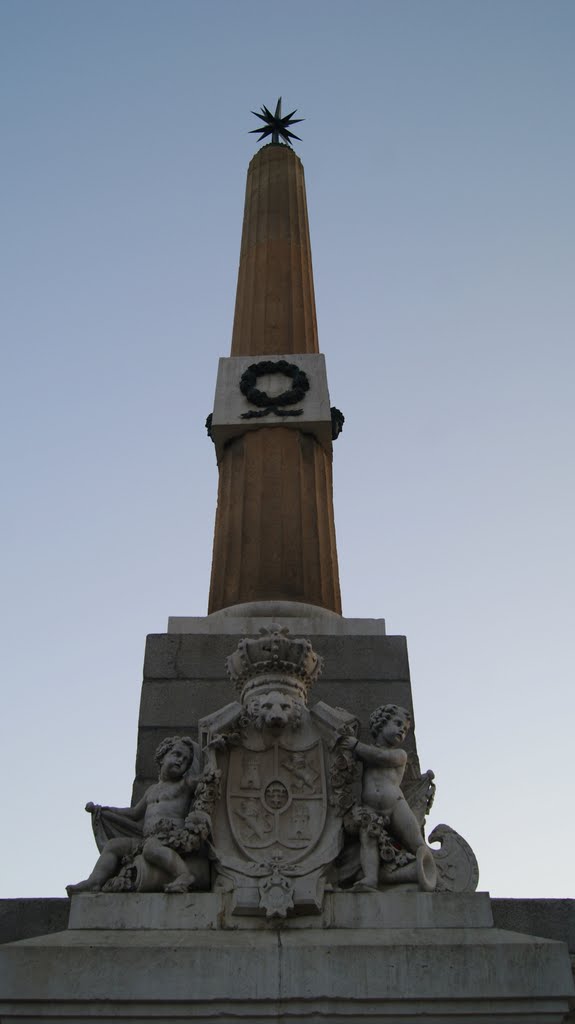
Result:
{"points": [[371, 957], [395, 956]]}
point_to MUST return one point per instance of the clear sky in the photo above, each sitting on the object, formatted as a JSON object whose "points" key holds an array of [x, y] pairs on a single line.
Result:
{"points": [[440, 159]]}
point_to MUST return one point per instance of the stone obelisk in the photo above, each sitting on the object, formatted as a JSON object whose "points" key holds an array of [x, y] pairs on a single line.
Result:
{"points": [[274, 534], [268, 875]]}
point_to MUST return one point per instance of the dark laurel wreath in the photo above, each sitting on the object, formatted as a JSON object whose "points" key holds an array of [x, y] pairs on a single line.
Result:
{"points": [[267, 404]]}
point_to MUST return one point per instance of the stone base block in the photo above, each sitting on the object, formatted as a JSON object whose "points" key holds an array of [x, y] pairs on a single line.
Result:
{"points": [[185, 677], [215, 911], [301, 619], [155, 958]]}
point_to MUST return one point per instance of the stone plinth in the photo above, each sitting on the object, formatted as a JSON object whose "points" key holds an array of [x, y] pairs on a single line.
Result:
{"points": [[184, 674], [215, 911], [372, 957], [302, 620]]}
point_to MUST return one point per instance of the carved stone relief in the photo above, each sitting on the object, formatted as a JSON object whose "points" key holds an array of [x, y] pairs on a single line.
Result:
{"points": [[279, 800]]}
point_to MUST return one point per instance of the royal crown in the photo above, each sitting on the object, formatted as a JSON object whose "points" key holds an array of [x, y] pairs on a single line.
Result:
{"points": [[274, 659]]}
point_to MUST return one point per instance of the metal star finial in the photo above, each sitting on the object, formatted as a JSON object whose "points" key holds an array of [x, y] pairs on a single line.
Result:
{"points": [[276, 125]]}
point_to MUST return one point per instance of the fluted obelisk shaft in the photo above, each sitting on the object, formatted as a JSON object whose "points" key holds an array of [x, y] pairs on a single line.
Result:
{"points": [[275, 534], [275, 301]]}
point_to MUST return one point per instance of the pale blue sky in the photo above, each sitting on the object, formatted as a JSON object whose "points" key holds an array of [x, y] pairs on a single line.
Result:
{"points": [[440, 159]]}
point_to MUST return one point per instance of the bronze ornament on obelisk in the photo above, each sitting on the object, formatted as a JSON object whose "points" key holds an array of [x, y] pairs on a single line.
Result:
{"points": [[274, 533]]}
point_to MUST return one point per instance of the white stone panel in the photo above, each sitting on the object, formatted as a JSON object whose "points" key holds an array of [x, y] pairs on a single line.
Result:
{"points": [[230, 404]]}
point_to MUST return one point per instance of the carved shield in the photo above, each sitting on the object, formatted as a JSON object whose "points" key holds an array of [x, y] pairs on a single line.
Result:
{"points": [[277, 800]]}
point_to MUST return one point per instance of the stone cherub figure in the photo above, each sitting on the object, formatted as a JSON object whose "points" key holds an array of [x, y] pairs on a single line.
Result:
{"points": [[163, 818], [385, 817]]}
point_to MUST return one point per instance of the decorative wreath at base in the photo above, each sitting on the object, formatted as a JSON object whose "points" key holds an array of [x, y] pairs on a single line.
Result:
{"points": [[268, 404]]}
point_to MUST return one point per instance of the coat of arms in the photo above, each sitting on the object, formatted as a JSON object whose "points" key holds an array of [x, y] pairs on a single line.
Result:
{"points": [[277, 800]]}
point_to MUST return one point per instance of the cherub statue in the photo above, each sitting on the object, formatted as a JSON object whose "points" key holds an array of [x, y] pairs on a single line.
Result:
{"points": [[385, 817], [163, 818]]}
